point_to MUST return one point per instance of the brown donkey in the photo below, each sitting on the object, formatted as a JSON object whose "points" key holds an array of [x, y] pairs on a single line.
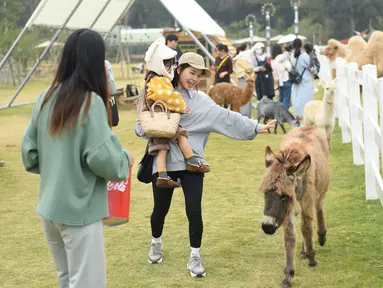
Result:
{"points": [[296, 181]]}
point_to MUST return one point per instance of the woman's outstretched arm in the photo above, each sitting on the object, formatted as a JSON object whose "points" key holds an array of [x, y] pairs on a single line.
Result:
{"points": [[228, 123]]}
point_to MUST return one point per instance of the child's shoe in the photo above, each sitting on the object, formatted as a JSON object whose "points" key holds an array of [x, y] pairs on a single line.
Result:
{"points": [[200, 168], [166, 183]]}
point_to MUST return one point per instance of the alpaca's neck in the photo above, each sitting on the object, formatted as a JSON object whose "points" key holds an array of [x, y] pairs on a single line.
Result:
{"points": [[247, 92], [328, 108]]}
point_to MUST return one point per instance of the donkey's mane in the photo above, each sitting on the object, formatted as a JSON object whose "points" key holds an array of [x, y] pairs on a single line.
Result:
{"points": [[294, 152]]}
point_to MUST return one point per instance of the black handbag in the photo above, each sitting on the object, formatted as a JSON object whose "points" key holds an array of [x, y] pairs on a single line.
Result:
{"points": [[145, 168], [113, 107]]}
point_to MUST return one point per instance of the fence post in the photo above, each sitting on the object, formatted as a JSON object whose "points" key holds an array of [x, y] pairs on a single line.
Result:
{"points": [[380, 97], [341, 99], [356, 124], [371, 153]]}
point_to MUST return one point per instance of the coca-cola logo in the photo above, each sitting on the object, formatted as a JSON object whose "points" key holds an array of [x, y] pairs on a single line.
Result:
{"points": [[117, 186]]}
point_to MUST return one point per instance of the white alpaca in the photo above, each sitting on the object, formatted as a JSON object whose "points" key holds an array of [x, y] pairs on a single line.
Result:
{"points": [[321, 113]]}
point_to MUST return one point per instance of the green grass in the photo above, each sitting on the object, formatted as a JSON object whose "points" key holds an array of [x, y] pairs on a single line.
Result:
{"points": [[235, 251]]}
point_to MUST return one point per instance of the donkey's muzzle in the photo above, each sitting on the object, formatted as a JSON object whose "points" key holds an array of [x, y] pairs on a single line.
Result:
{"points": [[268, 225], [269, 229]]}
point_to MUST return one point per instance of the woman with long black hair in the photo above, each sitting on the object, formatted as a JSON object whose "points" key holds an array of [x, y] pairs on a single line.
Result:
{"points": [[301, 92], [69, 142]]}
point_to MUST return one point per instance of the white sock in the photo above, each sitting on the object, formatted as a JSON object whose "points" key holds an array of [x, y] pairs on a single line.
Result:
{"points": [[157, 240], [195, 251]]}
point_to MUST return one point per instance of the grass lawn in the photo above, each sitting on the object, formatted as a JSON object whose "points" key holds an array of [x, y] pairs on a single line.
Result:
{"points": [[235, 251]]}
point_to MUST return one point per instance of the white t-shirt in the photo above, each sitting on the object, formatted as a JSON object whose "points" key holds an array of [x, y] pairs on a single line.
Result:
{"points": [[281, 65]]}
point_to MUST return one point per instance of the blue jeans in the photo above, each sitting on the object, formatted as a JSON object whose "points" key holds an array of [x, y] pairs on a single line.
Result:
{"points": [[285, 94]]}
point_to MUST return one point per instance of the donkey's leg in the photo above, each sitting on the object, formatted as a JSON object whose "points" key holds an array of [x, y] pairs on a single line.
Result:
{"points": [[307, 232], [275, 128], [321, 219], [303, 252], [283, 128], [289, 237]]}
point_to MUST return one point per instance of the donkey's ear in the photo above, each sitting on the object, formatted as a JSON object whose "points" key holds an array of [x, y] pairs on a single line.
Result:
{"points": [[269, 156], [300, 169]]}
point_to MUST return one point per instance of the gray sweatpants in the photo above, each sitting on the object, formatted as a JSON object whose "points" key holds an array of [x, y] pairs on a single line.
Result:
{"points": [[78, 253], [245, 110]]}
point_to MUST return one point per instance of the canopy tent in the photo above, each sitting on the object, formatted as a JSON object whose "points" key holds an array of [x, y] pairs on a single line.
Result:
{"points": [[47, 43], [192, 16], [248, 40], [290, 38], [102, 16], [276, 38], [139, 35]]}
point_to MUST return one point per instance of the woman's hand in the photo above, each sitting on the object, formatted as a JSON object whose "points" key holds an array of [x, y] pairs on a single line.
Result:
{"points": [[262, 69], [187, 110], [265, 128], [223, 74], [131, 159]]}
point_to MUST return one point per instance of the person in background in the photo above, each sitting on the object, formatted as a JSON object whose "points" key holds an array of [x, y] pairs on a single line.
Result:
{"points": [[243, 63], [301, 93], [314, 63], [281, 65], [110, 76], [71, 123], [264, 83], [288, 51], [171, 41], [2, 163], [112, 88], [223, 64]]}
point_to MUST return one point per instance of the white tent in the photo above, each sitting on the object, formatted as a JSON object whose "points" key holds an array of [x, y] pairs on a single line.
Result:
{"points": [[47, 43], [130, 36], [189, 14], [248, 40], [290, 38], [102, 16], [276, 38]]}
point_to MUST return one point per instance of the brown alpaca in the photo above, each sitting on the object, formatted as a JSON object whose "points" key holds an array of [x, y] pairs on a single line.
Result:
{"points": [[229, 94], [333, 50], [356, 44], [372, 53], [296, 181]]}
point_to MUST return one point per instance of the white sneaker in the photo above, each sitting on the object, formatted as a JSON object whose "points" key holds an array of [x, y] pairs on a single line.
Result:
{"points": [[195, 266], [155, 253]]}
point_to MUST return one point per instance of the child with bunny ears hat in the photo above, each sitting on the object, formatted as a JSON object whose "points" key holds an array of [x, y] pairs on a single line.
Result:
{"points": [[160, 61]]}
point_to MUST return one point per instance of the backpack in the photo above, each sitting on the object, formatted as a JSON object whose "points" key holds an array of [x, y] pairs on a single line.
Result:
{"points": [[294, 77]]}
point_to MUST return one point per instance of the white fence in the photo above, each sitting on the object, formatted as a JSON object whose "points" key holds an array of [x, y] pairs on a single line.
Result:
{"points": [[360, 123]]}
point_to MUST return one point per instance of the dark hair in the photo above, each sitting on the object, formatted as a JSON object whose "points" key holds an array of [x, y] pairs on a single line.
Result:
{"points": [[289, 48], [308, 48], [241, 48], [297, 44], [222, 47], [171, 37], [277, 49], [80, 72], [177, 76]]}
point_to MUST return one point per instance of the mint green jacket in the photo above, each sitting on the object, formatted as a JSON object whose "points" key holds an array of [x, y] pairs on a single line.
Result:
{"points": [[74, 167]]}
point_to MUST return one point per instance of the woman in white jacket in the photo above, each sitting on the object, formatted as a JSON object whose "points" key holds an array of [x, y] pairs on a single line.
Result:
{"points": [[281, 65]]}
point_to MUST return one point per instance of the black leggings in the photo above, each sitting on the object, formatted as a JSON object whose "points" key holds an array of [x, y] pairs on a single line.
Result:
{"points": [[192, 185]]}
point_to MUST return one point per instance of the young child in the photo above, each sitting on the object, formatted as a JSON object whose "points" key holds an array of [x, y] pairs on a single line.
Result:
{"points": [[160, 60]]}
